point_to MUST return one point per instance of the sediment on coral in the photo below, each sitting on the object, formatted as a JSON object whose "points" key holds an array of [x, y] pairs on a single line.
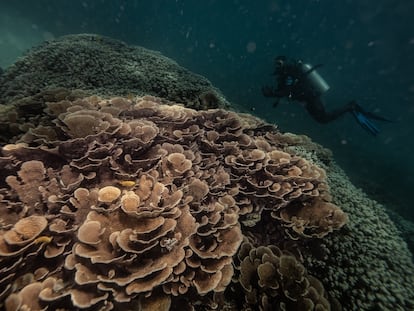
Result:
{"points": [[126, 202]]}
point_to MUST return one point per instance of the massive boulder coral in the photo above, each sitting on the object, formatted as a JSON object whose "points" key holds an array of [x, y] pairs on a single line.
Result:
{"points": [[368, 266], [101, 65], [132, 203]]}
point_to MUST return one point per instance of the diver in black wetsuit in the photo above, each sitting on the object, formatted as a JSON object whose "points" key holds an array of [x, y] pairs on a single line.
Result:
{"points": [[300, 82]]}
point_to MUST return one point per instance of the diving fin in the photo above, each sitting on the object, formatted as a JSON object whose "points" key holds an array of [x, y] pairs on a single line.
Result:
{"points": [[365, 122], [364, 118], [374, 116]]}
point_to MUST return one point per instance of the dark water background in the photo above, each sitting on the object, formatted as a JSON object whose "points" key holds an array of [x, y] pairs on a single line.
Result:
{"points": [[367, 48]]}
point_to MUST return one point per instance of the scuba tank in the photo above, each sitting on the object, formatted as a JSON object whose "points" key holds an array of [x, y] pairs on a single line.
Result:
{"points": [[318, 84]]}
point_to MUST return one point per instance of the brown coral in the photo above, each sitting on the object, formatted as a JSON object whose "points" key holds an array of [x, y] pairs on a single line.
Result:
{"points": [[273, 279], [108, 194], [148, 199], [314, 219], [30, 177]]}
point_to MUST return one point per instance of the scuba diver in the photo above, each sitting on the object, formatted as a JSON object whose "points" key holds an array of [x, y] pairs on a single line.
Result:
{"points": [[301, 82]]}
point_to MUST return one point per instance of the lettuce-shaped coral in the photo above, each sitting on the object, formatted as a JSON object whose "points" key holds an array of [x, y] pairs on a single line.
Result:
{"points": [[137, 199]]}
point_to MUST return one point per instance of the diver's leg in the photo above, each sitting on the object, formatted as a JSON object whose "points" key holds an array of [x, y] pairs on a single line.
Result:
{"points": [[316, 109]]}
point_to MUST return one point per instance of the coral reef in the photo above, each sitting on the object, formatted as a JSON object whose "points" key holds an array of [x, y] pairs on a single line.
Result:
{"points": [[129, 203], [138, 203], [405, 226], [368, 266], [104, 66], [273, 279]]}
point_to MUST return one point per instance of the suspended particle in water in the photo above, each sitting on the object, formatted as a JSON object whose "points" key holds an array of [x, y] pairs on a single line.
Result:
{"points": [[251, 47]]}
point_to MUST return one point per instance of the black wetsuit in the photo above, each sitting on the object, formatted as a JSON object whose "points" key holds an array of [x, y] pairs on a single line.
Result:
{"points": [[316, 108]]}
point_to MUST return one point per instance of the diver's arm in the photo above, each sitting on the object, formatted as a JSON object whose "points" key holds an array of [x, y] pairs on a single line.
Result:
{"points": [[269, 91]]}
